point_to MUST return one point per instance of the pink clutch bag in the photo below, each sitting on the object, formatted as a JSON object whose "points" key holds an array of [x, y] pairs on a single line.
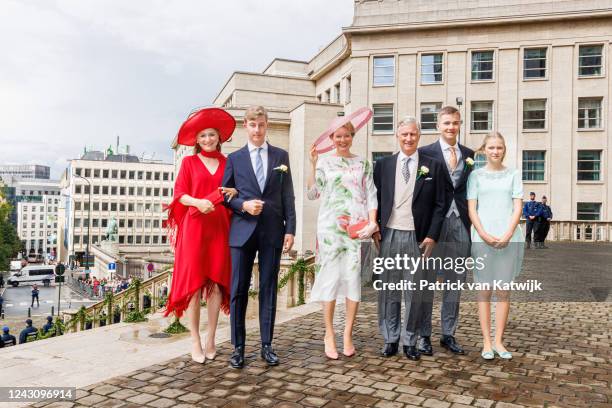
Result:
{"points": [[353, 229]]}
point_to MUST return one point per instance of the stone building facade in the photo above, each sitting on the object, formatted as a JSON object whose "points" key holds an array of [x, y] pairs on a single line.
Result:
{"points": [[537, 71]]}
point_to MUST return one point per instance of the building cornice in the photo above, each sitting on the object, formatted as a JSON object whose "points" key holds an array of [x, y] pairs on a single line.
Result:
{"points": [[482, 21]]}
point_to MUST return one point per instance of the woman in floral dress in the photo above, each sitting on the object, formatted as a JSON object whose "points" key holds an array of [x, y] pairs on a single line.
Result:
{"points": [[345, 185]]}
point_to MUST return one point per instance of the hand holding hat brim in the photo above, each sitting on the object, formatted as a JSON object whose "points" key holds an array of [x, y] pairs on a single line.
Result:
{"points": [[358, 119]]}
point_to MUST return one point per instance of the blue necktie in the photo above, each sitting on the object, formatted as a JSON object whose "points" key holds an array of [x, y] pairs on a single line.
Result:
{"points": [[259, 170]]}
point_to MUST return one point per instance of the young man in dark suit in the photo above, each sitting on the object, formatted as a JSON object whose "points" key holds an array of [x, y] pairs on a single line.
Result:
{"points": [[263, 224], [410, 214], [455, 241]]}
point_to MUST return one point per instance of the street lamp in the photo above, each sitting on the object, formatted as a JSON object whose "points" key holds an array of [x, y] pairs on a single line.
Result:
{"points": [[88, 222]]}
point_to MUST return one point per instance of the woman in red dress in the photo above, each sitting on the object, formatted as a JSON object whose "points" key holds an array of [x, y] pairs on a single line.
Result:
{"points": [[199, 227]]}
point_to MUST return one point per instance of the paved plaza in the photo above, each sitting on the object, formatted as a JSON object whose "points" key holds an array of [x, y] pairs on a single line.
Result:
{"points": [[561, 358]]}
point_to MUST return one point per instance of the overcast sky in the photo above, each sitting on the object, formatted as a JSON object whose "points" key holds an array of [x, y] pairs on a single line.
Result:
{"points": [[76, 73]]}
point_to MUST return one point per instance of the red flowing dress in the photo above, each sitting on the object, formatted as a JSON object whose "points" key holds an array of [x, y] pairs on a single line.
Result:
{"points": [[200, 241]]}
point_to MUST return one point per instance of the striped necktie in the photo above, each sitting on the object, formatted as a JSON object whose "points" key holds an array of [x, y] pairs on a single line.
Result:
{"points": [[259, 170]]}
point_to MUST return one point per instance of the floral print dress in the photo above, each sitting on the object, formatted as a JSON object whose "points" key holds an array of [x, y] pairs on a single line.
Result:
{"points": [[347, 192]]}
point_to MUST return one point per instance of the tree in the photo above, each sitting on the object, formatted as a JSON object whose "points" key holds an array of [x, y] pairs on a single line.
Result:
{"points": [[10, 244]]}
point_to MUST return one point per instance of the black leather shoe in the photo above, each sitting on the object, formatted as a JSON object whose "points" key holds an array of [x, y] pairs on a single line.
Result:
{"points": [[412, 353], [390, 349], [424, 346], [449, 343], [269, 355], [237, 358]]}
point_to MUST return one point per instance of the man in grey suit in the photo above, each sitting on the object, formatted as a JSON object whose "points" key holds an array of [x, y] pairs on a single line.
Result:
{"points": [[410, 214], [455, 235]]}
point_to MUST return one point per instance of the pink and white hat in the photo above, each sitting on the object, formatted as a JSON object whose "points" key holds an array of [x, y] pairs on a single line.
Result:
{"points": [[358, 118]]}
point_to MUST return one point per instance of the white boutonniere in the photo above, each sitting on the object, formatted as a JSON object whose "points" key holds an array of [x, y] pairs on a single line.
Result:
{"points": [[470, 162], [423, 171], [282, 169]]}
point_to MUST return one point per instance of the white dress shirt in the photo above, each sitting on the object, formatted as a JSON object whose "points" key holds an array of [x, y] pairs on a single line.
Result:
{"points": [[264, 157], [446, 148]]}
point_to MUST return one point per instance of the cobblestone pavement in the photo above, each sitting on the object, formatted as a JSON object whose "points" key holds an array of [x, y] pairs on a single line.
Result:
{"points": [[562, 358]]}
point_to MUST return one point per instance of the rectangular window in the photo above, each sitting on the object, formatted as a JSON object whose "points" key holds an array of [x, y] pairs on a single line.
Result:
{"points": [[534, 165], [96, 173], [379, 155], [382, 121], [165, 177], [589, 211], [431, 68], [104, 222], [589, 165], [589, 113], [149, 175], [131, 191], [534, 63], [429, 115], [105, 190], [96, 206], [96, 189], [87, 173], [590, 60], [157, 175], [113, 206], [105, 173], [384, 70], [78, 189], [104, 206], [115, 174], [482, 65], [95, 223], [534, 114], [132, 175], [78, 171], [121, 223], [123, 174], [337, 93], [328, 96], [482, 116]]}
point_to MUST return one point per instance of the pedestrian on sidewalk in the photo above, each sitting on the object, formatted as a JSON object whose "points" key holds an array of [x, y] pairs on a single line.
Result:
{"points": [[35, 296], [1, 280]]}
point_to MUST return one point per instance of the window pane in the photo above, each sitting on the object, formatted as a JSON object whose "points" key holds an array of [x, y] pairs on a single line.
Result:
{"points": [[534, 165], [383, 118], [429, 115], [589, 211], [384, 70]]}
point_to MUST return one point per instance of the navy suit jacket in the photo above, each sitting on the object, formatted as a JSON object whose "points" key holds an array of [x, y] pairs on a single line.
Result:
{"points": [[278, 215], [427, 197], [459, 194]]}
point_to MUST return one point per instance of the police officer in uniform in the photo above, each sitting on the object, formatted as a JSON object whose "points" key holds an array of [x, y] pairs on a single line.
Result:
{"points": [[531, 211], [23, 336], [7, 338], [544, 217]]}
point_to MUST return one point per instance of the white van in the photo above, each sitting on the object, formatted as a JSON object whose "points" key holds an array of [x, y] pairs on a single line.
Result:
{"points": [[33, 274]]}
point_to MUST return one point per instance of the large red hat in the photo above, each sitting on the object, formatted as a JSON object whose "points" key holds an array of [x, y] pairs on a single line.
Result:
{"points": [[358, 118], [206, 118]]}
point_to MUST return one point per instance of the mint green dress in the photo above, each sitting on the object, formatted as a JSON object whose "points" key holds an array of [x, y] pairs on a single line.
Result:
{"points": [[494, 192]]}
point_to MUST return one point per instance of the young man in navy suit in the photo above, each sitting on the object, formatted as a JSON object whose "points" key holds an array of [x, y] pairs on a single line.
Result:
{"points": [[455, 242], [263, 223]]}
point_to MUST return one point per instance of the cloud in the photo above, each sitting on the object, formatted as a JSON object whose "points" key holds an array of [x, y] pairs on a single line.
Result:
{"points": [[76, 73]]}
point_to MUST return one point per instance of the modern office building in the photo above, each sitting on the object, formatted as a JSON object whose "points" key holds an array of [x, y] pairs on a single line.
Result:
{"points": [[102, 190], [36, 202], [24, 171], [537, 71]]}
